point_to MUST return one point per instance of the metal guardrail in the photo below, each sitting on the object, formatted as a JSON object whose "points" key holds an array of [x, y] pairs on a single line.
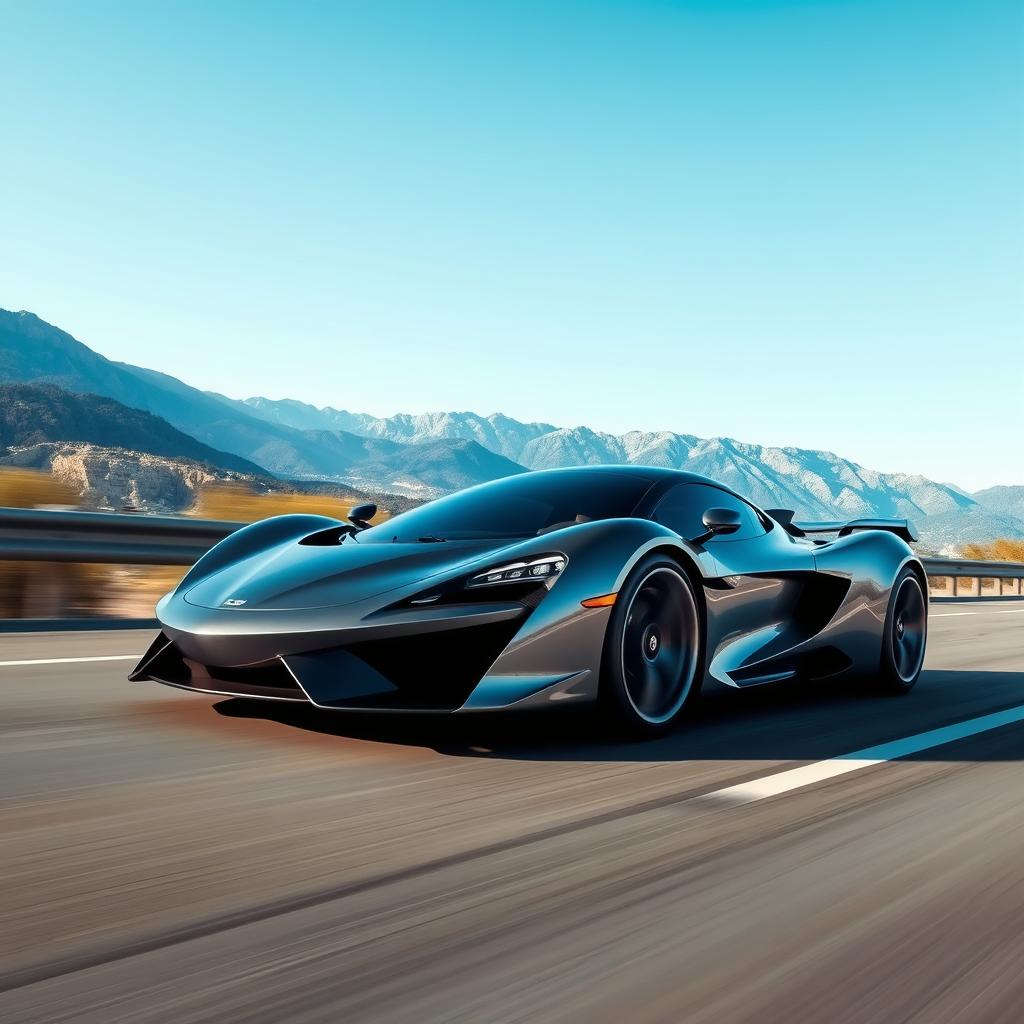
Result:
{"points": [[1007, 577], [43, 535], [958, 568]]}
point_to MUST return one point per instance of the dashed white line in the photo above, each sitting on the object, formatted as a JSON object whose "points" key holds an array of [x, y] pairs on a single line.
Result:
{"points": [[1010, 611], [70, 661], [808, 774], [947, 615]]}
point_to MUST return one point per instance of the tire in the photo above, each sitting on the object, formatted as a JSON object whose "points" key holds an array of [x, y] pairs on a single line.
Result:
{"points": [[653, 660], [905, 635]]}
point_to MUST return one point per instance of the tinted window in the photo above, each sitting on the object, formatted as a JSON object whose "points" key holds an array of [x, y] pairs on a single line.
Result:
{"points": [[518, 506], [683, 508]]}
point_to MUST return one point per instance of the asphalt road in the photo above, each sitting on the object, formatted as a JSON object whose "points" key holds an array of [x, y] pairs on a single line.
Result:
{"points": [[173, 858]]}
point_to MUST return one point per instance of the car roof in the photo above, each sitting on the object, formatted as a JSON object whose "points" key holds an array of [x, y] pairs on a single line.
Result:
{"points": [[659, 478], [652, 473]]}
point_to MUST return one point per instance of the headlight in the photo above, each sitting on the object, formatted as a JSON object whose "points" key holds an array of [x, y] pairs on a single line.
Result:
{"points": [[538, 569]]}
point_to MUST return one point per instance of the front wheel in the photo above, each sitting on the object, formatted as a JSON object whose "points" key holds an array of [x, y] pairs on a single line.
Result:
{"points": [[905, 633], [652, 666]]}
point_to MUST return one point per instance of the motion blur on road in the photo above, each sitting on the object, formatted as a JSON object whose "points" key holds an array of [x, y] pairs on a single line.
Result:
{"points": [[66, 589], [175, 858]]}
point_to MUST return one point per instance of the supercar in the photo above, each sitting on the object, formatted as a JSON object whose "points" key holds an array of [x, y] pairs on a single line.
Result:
{"points": [[624, 585]]}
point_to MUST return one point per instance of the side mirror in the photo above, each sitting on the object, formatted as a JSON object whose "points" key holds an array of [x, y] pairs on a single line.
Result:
{"points": [[720, 521], [361, 515]]}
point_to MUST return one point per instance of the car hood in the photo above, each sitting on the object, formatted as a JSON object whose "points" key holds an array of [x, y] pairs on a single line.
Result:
{"points": [[293, 575]]}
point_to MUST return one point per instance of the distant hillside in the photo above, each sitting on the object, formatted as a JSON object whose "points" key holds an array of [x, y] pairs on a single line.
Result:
{"points": [[816, 484], [425, 455], [31, 414], [500, 434], [1006, 500], [32, 350], [433, 468], [112, 478], [115, 478]]}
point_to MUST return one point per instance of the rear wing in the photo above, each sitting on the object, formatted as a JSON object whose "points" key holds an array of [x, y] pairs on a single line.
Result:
{"points": [[903, 528]]}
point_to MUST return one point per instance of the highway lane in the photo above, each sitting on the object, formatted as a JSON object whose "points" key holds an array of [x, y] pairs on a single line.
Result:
{"points": [[173, 857]]}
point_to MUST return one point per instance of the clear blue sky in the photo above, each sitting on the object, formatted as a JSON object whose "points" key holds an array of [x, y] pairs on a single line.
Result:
{"points": [[786, 222]]}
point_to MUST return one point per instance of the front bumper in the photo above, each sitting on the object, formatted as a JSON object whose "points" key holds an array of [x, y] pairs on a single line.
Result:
{"points": [[435, 659]]}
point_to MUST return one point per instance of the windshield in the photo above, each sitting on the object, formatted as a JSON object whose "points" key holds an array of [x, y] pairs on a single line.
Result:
{"points": [[517, 506]]}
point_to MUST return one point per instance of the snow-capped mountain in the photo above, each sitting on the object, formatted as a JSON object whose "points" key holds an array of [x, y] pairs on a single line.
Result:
{"points": [[817, 484], [425, 455]]}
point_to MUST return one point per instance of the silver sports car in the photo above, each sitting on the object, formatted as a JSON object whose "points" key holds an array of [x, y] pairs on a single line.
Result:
{"points": [[623, 585]]}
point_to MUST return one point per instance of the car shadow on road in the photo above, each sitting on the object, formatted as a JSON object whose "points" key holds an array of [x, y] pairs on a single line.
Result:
{"points": [[782, 722]]}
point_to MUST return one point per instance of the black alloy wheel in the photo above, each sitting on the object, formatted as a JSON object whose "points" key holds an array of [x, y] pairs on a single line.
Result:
{"points": [[906, 633], [654, 648]]}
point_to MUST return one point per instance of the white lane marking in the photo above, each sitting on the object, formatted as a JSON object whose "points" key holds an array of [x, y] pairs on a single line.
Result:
{"points": [[947, 615], [70, 661], [808, 774], [1010, 611]]}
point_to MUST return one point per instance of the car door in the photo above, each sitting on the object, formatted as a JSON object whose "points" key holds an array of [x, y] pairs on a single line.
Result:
{"points": [[758, 580]]}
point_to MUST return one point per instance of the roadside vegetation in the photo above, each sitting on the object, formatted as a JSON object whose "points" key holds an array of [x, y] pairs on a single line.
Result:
{"points": [[238, 503], [1003, 550], [28, 488]]}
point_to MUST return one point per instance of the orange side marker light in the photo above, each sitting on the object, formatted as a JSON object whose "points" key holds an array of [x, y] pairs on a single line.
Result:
{"points": [[604, 601]]}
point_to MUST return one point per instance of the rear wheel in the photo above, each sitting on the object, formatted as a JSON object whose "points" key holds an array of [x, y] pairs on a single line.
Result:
{"points": [[653, 657], [905, 635]]}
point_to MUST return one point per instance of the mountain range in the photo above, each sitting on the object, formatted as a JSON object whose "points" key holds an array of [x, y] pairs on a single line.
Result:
{"points": [[422, 456], [37, 414], [817, 484], [32, 350]]}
